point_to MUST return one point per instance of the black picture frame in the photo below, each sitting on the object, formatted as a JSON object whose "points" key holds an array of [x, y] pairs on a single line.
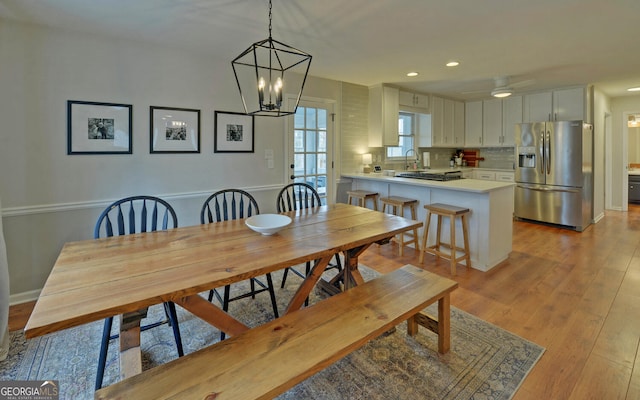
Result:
{"points": [[174, 130], [99, 128], [234, 133]]}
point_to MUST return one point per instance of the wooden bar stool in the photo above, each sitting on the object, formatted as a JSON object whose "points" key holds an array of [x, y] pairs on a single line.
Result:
{"points": [[452, 212], [362, 196], [397, 203]]}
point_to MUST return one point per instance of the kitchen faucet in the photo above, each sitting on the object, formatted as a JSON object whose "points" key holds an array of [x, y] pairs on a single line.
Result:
{"points": [[406, 158]]}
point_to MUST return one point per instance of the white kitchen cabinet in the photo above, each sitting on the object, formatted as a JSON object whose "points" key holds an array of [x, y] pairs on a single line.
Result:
{"points": [[424, 130], [484, 175], [383, 116], [558, 105], [437, 121], [458, 123], [537, 107], [492, 175], [492, 123], [414, 100], [568, 105], [505, 176], [473, 124], [511, 115], [447, 122]]}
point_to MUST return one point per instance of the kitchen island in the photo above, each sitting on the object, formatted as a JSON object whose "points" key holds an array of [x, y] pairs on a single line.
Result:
{"points": [[490, 202]]}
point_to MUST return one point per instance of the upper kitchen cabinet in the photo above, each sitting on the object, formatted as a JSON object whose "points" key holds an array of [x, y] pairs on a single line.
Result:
{"points": [[569, 105], [473, 124], [558, 105], [491, 123], [458, 123], [511, 115], [383, 116], [537, 107], [447, 122], [413, 101], [437, 121], [425, 138]]}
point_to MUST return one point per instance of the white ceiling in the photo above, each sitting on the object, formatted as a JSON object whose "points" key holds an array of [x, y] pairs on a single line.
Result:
{"points": [[545, 43]]}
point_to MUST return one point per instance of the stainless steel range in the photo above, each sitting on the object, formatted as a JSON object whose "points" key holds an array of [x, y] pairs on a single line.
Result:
{"points": [[431, 176]]}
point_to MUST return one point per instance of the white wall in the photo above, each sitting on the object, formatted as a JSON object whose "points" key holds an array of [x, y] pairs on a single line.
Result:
{"points": [[601, 107], [50, 197]]}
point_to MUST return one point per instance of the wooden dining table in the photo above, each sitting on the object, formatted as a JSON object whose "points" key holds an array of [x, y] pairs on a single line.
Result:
{"points": [[124, 275]]}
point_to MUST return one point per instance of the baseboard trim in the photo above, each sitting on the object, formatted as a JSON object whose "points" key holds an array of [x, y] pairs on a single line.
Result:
{"points": [[24, 297], [598, 218]]}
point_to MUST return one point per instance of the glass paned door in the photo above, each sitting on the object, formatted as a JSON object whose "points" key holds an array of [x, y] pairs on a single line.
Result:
{"points": [[310, 147]]}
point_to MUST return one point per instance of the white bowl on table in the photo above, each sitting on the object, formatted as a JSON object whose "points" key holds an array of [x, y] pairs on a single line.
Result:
{"points": [[267, 224]]}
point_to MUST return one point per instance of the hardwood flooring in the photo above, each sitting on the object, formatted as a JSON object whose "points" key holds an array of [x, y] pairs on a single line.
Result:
{"points": [[576, 294]]}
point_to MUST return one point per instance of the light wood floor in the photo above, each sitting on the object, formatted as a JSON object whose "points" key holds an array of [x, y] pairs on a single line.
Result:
{"points": [[576, 294]]}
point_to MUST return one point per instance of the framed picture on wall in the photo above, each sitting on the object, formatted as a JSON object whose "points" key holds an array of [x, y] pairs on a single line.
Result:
{"points": [[98, 128], [174, 130], [233, 133]]}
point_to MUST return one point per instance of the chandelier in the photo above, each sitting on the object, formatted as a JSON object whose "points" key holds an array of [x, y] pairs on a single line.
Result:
{"points": [[265, 71]]}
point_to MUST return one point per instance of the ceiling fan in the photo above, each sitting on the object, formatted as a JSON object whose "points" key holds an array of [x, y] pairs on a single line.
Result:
{"points": [[503, 87]]}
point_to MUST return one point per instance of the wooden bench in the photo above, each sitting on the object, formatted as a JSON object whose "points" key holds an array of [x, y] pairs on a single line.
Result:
{"points": [[265, 361]]}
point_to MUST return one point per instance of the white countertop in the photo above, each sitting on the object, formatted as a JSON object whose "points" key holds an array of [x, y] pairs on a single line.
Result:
{"points": [[463, 185], [634, 172]]}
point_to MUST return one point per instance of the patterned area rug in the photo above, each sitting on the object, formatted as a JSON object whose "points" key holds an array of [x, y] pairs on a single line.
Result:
{"points": [[485, 362]]}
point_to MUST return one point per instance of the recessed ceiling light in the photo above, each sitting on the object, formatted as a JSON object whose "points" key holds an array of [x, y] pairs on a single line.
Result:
{"points": [[453, 64], [634, 89], [412, 74]]}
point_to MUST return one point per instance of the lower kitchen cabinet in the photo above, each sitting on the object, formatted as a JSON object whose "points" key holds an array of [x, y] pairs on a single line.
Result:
{"points": [[634, 188], [488, 175], [505, 176], [484, 175]]}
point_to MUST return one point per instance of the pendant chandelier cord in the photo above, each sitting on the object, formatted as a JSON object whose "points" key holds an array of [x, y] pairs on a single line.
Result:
{"points": [[270, 6]]}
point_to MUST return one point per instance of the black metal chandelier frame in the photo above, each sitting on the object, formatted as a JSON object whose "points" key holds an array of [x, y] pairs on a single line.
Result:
{"points": [[272, 67]]}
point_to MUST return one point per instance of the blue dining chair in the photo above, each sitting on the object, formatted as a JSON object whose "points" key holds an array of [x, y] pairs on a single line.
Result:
{"points": [[299, 196], [126, 216], [231, 204]]}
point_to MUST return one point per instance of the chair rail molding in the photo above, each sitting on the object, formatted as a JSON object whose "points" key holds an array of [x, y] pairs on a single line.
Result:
{"points": [[72, 206]]}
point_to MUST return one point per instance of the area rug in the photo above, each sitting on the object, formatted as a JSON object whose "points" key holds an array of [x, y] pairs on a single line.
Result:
{"points": [[485, 362]]}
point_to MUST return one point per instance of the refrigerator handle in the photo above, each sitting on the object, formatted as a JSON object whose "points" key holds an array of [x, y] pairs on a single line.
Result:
{"points": [[547, 156], [541, 152]]}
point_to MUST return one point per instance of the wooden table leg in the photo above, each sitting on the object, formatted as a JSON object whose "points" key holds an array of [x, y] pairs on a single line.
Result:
{"points": [[130, 354], [444, 324], [350, 275], [215, 316], [307, 285]]}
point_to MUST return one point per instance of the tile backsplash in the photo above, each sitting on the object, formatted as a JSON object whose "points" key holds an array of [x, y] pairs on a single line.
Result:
{"points": [[494, 157], [498, 157]]}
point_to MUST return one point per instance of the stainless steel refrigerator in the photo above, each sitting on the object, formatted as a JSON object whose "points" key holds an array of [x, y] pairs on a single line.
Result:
{"points": [[554, 173]]}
